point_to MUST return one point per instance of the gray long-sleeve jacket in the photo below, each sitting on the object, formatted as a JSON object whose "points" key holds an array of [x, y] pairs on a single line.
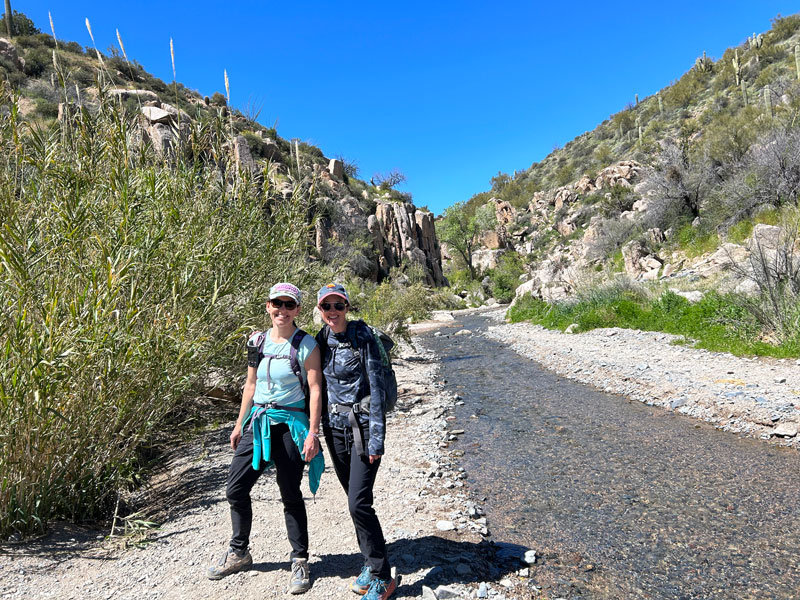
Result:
{"points": [[347, 383]]}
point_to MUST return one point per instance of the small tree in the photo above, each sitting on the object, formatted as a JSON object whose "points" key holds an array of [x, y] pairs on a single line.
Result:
{"points": [[460, 231], [388, 181]]}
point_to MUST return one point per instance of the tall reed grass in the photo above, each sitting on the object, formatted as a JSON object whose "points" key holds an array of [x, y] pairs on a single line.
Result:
{"points": [[126, 275]]}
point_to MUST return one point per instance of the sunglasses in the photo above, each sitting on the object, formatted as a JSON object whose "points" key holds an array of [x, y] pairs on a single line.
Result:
{"points": [[278, 303], [326, 306]]}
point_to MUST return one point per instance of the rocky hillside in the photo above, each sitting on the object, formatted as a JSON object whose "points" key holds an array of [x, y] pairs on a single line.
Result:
{"points": [[681, 184], [360, 228]]}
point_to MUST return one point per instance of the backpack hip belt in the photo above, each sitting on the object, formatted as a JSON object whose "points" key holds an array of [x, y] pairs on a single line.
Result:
{"points": [[351, 410]]}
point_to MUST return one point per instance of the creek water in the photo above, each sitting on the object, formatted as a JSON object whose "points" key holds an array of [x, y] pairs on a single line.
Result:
{"points": [[620, 499]]}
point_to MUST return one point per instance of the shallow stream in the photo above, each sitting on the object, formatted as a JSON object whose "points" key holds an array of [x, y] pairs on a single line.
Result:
{"points": [[620, 499]]}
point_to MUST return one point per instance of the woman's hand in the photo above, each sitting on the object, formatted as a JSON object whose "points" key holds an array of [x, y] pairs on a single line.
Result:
{"points": [[373, 458], [236, 435], [310, 446]]}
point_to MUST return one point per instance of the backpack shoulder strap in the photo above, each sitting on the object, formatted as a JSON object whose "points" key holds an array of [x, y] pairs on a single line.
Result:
{"points": [[297, 339]]}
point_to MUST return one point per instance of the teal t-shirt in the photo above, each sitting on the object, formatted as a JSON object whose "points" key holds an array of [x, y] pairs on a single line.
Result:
{"points": [[282, 386]]}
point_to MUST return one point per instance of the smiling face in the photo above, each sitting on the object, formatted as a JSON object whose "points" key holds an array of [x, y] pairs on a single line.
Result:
{"points": [[333, 318], [281, 315]]}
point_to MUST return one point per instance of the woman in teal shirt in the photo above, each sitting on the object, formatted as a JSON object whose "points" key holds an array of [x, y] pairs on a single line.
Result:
{"points": [[273, 427]]}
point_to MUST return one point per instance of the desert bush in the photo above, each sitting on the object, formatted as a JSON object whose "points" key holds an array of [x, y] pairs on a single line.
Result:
{"points": [[73, 47], [391, 304], [504, 278], [38, 61], [125, 279], [612, 234], [776, 273], [617, 200], [46, 109], [680, 181], [718, 322]]}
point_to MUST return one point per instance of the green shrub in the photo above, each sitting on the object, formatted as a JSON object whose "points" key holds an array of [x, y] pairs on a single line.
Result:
{"points": [[73, 47], [719, 322], [504, 279], [46, 109], [738, 233], [695, 241], [122, 286], [38, 61]]}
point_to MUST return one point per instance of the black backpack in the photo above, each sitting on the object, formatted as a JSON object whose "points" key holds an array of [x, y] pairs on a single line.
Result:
{"points": [[385, 345]]}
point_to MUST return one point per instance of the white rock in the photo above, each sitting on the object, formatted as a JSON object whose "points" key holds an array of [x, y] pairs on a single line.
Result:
{"points": [[445, 525], [786, 430]]}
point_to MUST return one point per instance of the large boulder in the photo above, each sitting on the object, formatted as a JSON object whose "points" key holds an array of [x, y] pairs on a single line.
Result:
{"points": [[505, 213], [243, 156], [9, 52], [163, 138], [156, 115], [621, 173], [336, 168], [639, 260], [141, 95], [492, 240], [486, 259], [765, 237]]}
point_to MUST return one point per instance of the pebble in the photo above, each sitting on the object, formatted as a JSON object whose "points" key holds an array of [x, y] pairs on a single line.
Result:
{"points": [[445, 525]]}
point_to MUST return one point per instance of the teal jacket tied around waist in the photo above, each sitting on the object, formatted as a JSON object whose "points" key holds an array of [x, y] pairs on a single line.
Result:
{"points": [[259, 419]]}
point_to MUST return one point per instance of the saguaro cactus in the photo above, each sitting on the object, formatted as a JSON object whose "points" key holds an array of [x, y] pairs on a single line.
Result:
{"points": [[797, 60], [768, 100], [744, 92], [9, 20], [660, 103], [737, 66], [636, 97], [704, 64]]}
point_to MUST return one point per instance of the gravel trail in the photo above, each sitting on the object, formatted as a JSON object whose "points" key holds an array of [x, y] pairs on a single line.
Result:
{"points": [[421, 501]]}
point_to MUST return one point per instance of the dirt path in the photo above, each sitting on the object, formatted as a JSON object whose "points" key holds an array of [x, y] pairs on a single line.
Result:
{"points": [[418, 495]]}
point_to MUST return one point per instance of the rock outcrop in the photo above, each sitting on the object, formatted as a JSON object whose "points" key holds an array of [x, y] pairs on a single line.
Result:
{"points": [[403, 234], [8, 51]]}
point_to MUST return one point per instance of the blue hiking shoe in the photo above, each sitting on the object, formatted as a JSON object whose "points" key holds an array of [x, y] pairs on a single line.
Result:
{"points": [[381, 589], [361, 585]]}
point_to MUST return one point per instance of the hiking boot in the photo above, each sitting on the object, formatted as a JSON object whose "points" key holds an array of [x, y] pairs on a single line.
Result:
{"points": [[299, 582], [361, 584], [231, 562], [381, 589]]}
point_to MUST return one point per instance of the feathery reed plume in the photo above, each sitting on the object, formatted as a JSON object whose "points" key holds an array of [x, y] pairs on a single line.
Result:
{"points": [[172, 55], [174, 76], [228, 97], [94, 44], [122, 46], [227, 86], [127, 62], [52, 28]]}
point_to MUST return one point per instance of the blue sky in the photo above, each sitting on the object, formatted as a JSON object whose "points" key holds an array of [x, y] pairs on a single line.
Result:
{"points": [[448, 92]]}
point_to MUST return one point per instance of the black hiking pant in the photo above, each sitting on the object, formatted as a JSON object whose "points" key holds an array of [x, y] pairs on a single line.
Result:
{"points": [[288, 473], [357, 477]]}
